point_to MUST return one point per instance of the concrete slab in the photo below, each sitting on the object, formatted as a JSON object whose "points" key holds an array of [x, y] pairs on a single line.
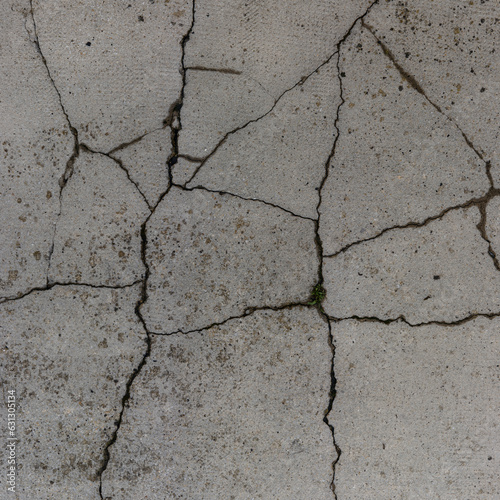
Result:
{"points": [[451, 49], [267, 48], [398, 160], [277, 159], [116, 64], [36, 145], [439, 272], [213, 256], [98, 235], [416, 410], [68, 353], [146, 163], [235, 411]]}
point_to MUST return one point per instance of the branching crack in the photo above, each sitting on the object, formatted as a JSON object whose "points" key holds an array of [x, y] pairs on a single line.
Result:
{"points": [[319, 243], [241, 127], [86, 148], [477, 202], [173, 120], [68, 172]]}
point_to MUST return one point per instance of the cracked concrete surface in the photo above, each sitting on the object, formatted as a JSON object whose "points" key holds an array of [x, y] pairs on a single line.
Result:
{"points": [[250, 250]]}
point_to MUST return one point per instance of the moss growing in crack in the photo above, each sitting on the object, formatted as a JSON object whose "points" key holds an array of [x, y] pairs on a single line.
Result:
{"points": [[318, 294]]}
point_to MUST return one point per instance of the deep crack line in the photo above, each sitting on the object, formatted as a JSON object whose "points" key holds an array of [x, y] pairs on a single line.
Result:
{"points": [[480, 203], [401, 318], [319, 242], [68, 171], [49, 286], [173, 117]]}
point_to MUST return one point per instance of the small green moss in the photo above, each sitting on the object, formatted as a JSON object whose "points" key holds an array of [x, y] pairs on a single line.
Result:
{"points": [[318, 294]]}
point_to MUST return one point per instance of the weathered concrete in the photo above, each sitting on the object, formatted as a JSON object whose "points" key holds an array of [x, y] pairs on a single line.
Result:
{"points": [[451, 49], [277, 159], [116, 64], [36, 145], [234, 411], [198, 194], [146, 163], [68, 353], [98, 238], [213, 256], [416, 411], [438, 272], [397, 159]]}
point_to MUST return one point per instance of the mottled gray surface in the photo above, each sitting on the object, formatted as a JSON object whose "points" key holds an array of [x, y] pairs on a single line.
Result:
{"points": [[438, 272], [235, 411], [97, 239], [212, 256], [416, 411], [222, 221], [278, 158], [68, 353], [397, 159]]}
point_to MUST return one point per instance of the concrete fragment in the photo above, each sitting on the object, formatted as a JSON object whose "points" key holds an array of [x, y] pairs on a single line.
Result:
{"points": [[98, 238], [416, 410], [67, 353], [212, 256], [183, 170], [281, 158], [397, 159], [235, 411], [146, 163], [438, 272], [451, 49], [36, 144], [116, 64], [263, 49]]}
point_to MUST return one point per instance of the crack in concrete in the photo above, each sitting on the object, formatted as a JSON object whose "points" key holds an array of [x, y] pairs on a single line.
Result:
{"points": [[319, 243], [480, 203], [401, 318], [241, 127], [68, 172], [87, 149], [248, 312], [173, 120], [413, 82], [49, 286], [203, 188]]}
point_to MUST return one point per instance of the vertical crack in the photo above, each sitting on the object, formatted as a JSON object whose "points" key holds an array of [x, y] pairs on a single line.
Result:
{"points": [[173, 120], [319, 243], [68, 171]]}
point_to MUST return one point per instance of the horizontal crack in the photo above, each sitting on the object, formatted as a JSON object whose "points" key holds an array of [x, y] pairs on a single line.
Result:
{"points": [[248, 312], [227, 71], [49, 286], [402, 318]]}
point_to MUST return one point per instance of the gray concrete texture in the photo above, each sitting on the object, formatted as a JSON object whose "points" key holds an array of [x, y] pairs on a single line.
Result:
{"points": [[249, 249]]}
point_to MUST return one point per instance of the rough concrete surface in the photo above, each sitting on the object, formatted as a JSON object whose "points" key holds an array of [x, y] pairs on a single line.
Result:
{"points": [[249, 249], [260, 382]]}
